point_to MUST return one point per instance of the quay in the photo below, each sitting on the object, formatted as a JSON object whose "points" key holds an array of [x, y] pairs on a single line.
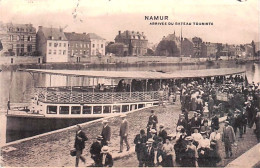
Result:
{"points": [[53, 149]]}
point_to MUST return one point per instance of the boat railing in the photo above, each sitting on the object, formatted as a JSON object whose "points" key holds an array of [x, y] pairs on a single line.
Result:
{"points": [[52, 96]]}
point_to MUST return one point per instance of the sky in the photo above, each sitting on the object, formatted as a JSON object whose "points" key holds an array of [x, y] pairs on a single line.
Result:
{"points": [[234, 22]]}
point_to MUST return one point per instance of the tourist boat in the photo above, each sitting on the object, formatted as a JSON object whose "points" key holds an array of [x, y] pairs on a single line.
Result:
{"points": [[56, 106]]}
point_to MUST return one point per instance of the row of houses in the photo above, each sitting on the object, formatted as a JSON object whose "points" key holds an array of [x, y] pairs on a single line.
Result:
{"points": [[197, 48], [53, 44]]}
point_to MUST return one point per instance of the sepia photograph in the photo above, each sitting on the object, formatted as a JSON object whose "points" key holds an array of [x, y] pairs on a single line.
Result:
{"points": [[130, 83]]}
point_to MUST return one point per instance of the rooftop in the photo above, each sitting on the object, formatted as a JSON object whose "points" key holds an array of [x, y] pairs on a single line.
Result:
{"points": [[53, 33]]}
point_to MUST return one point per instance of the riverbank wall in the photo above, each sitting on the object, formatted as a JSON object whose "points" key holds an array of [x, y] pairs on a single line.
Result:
{"points": [[106, 61]]}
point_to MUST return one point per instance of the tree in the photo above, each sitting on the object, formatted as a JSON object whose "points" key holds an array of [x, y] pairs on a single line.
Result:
{"points": [[150, 52], [167, 48]]}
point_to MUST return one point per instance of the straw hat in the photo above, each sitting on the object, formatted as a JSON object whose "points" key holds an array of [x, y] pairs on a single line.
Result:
{"points": [[104, 121], [153, 131], [189, 138], [105, 149], [99, 137], [149, 141], [161, 125]]}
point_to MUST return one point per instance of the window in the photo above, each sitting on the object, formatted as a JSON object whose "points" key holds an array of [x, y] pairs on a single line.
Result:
{"points": [[80, 52], [56, 44], [59, 52], [18, 29], [29, 38], [29, 48], [22, 38], [51, 109], [50, 37], [76, 45], [10, 29], [116, 109], [64, 52], [64, 109], [141, 105], [17, 38], [107, 109], [87, 109], [85, 45], [11, 38], [133, 107], [60, 38], [125, 108], [97, 109], [65, 45], [75, 110], [60, 45], [49, 44], [97, 45], [93, 45], [101, 45], [84, 52], [81, 45], [54, 52], [49, 52]]}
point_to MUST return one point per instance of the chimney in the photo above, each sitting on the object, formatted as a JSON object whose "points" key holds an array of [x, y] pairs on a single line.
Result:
{"points": [[84, 32], [119, 32]]}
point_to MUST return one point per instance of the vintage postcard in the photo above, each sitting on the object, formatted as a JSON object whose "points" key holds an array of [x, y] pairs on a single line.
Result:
{"points": [[129, 83]]}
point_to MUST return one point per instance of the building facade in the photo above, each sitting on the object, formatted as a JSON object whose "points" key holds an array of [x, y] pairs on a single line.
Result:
{"points": [[52, 44], [211, 50], [97, 44], [187, 48], [136, 42], [79, 46], [17, 39]]}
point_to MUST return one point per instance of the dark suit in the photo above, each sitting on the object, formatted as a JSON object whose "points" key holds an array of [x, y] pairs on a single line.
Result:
{"points": [[108, 160], [154, 120], [149, 155], [195, 122], [163, 135], [95, 150], [140, 142], [79, 145], [123, 133], [106, 134], [182, 122], [215, 122]]}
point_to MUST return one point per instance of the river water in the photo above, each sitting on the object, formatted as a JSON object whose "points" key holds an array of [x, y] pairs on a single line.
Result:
{"points": [[19, 85]]}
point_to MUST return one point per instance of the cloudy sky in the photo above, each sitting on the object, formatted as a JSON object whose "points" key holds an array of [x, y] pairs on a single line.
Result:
{"points": [[233, 21]]}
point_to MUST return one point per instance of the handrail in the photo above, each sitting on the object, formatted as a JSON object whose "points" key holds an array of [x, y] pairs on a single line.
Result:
{"points": [[97, 97]]}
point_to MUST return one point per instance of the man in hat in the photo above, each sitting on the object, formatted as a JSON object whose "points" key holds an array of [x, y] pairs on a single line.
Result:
{"points": [[154, 137], [123, 133], [180, 146], [153, 119], [257, 131], [95, 150], [140, 141], [182, 121], [211, 104], [190, 156], [106, 133], [238, 122], [195, 121], [228, 138], [215, 122], [105, 157], [250, 114], [79, 144], [149, 153], [162, 133]]}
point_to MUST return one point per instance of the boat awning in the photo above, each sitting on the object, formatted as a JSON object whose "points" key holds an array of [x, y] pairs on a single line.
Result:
{"points": [[140, 74]]}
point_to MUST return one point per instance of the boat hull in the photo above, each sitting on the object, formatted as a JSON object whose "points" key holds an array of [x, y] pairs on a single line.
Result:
{"points": [[19, 127]]}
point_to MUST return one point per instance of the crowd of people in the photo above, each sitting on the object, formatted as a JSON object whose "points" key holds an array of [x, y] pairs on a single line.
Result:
{"points": [[196, 140]]}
